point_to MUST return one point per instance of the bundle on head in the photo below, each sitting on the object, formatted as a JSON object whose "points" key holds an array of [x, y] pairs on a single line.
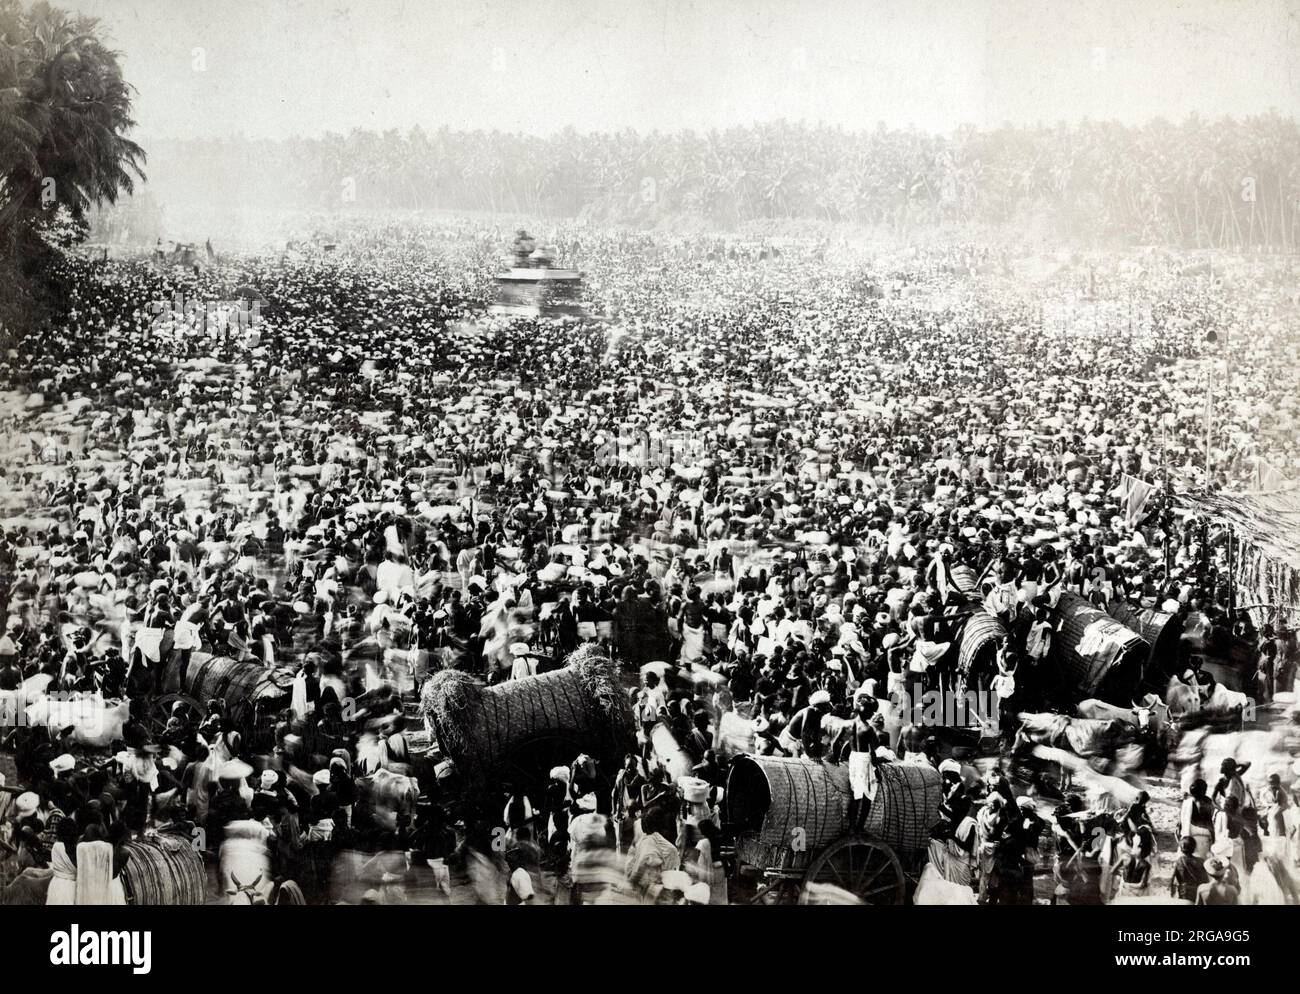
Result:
{"points": [[520, 729]]}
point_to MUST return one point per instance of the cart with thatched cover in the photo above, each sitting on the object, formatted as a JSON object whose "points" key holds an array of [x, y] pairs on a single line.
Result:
{"points": [[253, 695], [515, 732], [977, 647], [163, 870], [1095, 655], [1159, 629], [964, 579], [789, 819]]}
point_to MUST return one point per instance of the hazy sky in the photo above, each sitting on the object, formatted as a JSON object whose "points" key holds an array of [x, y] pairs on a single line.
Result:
{"points": [[277, 67]]}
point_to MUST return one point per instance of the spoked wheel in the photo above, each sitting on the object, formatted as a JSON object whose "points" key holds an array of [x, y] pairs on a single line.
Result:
{"points": [[160, 709], [864, 866]]}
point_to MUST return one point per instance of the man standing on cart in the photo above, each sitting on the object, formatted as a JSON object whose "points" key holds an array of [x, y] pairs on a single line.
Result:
{"points": [[862, 761]]}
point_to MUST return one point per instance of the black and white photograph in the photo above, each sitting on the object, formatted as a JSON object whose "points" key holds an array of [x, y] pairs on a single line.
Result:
{"points": [[650, 452]]}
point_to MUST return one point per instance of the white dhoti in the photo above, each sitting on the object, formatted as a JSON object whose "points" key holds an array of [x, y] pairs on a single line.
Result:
{"points": [[186, 636], [692, 644], [927, 654], [1203, 836], [149, 642], [789, 743], [298, 697], [862, 776]]}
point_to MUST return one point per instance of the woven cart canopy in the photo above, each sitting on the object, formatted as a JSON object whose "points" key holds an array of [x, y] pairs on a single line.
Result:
{"points": [[783, 810], [163, 869], [980, 630], [228, 680], [1097, 655], [963, 578], [486, 730], [1158, 628], [906, 805]]}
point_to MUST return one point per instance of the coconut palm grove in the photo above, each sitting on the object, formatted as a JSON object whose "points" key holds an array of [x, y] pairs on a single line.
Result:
{"points": [[796, 510]]}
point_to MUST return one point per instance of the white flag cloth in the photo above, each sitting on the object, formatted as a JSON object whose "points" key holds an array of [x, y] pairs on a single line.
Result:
{"points": [[1133, 494]]}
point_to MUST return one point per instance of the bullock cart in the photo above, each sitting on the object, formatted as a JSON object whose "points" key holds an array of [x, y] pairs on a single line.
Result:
{"points": [[787, 823]]}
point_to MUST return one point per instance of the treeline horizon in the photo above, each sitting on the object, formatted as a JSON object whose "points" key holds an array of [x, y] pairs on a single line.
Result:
{"points": [[1225, 183]]}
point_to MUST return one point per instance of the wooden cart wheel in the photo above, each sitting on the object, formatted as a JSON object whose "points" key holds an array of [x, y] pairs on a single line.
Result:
{"points": [[160, 710], [862, 865]]}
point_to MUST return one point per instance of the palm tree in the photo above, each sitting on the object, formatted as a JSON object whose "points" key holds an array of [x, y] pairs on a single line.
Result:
{"points": [[64, 113]]}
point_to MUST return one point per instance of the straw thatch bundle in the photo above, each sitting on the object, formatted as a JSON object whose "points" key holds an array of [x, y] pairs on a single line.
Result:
{"points": [[486, 729], [1096, 655], [228, 680], [163, 870]]}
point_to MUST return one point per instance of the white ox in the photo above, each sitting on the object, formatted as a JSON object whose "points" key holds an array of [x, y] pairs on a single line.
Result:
{"points": [[1150, 716], [96, 723], [1186, 700]]}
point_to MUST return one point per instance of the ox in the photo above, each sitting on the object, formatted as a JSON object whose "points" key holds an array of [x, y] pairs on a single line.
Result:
{"points": [[1220, 701], [95, 723], [1083, 736], [1194, 704], [1183, 700], [1150, 716]]}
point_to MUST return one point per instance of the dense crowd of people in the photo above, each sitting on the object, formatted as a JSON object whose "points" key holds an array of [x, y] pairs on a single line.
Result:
{"points": [[764, 493]]}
